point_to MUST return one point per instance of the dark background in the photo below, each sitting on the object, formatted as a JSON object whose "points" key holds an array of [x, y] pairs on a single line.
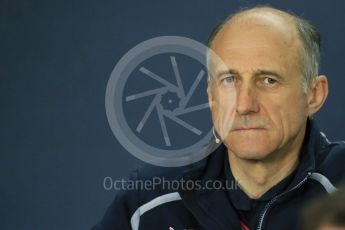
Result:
{"points": [[56, 57]]}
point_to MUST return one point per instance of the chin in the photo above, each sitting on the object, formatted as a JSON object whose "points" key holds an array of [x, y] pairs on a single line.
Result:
{"points": [[251, 145], [250, 150], [251, 155]]}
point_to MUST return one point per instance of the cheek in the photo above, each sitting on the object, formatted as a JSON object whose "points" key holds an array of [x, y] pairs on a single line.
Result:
{"points": [[223, 112], [287, 114]]}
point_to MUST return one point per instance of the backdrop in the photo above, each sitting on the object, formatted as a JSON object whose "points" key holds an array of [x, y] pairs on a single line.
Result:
{"points": [[56, 146]]}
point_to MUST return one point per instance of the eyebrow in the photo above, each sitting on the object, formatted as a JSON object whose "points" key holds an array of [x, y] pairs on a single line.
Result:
{"points": [[228, 71], [268, 72], [257, 72]]}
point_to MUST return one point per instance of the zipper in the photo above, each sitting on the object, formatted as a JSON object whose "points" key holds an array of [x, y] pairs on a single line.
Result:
{"points": [[274, 199]]}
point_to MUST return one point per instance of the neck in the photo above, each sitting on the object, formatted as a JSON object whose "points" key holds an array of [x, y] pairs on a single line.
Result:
{"points": [[255, 177]]}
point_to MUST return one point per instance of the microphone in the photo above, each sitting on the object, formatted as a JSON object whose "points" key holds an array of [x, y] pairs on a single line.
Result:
{"points": [[217, 140]]}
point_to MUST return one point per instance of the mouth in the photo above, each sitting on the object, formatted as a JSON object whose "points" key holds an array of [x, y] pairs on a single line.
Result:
{"points": [[248, 129]]}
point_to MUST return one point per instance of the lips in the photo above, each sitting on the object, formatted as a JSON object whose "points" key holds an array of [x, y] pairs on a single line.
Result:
{"points": [[248, 129]]}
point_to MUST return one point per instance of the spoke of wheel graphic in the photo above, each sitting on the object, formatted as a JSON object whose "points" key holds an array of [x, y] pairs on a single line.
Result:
{"points": [[158, 78], [183, 123], [163, 126], [177, 76], [144, 94], [185, 100], [191, 109], [147, 114]]}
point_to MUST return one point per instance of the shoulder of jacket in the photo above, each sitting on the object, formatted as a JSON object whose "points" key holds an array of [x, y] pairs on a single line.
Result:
{"points": [[147, 183], [331, 161]]}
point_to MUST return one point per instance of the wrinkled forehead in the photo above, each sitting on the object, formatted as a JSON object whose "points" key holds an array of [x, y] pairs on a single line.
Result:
{"points": [[251, 34], [263, 17], [264, 21]]}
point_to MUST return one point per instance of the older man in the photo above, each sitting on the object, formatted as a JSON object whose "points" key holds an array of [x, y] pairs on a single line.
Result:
{"points": [[263, 95]]}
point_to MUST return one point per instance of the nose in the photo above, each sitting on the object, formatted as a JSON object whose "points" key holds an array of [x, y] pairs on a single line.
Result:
{"points": [[247, 101]]}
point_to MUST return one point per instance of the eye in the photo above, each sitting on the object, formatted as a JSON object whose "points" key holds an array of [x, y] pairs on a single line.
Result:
{"points": [[270, 81], [228, 80]]}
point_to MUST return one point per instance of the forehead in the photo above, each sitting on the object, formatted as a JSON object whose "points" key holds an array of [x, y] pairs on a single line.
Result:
{"points": [[270, 20], [258, 40]]}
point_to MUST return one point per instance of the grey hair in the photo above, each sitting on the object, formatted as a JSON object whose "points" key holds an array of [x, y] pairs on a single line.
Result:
{"points": [[308, 35]]}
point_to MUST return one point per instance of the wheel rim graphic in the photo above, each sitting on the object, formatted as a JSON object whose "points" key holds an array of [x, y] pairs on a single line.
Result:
{"points": [[168, 94]]}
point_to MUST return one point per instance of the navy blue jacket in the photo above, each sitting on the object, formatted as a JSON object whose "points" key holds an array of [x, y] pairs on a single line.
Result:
{"points": [[193, 203]]}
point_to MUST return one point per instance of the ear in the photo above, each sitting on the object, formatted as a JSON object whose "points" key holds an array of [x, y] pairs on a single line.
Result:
{"points": [[317, 94]]}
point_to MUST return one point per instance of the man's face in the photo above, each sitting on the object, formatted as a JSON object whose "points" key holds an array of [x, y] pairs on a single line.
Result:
{"points": [[258, 103]]}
